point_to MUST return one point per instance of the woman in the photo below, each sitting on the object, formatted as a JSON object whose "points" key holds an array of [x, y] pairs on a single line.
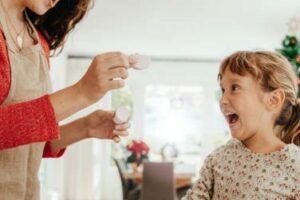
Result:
{"points": [[29, 114]]}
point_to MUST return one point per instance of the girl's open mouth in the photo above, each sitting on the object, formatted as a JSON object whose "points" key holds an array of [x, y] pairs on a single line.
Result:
{"points": [[232, 118]]}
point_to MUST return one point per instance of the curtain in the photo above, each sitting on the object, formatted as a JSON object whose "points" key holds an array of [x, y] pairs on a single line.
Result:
{"points": [[85, 171]]}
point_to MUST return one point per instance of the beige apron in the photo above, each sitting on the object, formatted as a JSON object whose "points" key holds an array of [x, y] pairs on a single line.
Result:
{"points": [[29, 80]]}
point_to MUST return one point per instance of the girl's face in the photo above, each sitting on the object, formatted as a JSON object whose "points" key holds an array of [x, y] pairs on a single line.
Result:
{"points": [[242, 105], [40, 7]]}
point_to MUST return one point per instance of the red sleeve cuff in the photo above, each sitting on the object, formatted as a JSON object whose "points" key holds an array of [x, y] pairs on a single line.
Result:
{"points": [[53, 127], [47, 149], [49, 154]]}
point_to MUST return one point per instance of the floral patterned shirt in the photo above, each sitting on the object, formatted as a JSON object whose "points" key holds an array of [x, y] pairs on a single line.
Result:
{"points": [[234, 172]]}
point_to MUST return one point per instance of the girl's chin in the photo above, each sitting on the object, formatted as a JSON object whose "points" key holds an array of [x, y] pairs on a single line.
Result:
{"points": [[236, 130], [237, 134]]}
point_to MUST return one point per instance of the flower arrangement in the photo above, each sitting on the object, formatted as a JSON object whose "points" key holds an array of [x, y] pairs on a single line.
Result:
{"points": [[138, 152]]}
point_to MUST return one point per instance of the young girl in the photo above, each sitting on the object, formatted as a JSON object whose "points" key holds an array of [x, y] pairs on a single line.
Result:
{"points": [[29, 114], [262, 161]]}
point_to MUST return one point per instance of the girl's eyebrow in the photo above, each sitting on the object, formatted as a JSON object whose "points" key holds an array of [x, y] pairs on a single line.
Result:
{"points": [[231, 80], [234, 80]]}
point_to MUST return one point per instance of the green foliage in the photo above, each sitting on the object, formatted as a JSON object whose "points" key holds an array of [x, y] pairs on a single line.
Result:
{"points": [[291, 50]]}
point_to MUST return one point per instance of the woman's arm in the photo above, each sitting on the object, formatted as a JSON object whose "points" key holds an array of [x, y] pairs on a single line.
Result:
{"points": [[98, 124], [69, 133], [36, 120], [67, 101], [102, 76]]}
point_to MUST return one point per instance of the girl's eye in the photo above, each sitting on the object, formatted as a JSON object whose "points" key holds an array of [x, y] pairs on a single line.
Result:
{"points": [[235, 87], [222, 90]]}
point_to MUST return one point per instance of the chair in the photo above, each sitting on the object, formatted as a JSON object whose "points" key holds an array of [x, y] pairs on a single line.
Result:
{"points": [[130, 190], [181, 192], [158, 181]]}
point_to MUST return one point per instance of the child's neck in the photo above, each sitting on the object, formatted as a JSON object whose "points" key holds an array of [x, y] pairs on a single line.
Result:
{"points": [[264, 143]]}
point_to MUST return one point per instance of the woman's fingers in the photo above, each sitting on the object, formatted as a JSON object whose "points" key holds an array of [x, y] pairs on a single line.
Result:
{"points": [[120, 133], [101, 76], [116, 139], [113, 59], [122, 127], [116, 84], [119, 72]]}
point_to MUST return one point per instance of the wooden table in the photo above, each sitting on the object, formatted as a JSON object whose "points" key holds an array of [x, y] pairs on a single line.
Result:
{"points": [[182, 179]]}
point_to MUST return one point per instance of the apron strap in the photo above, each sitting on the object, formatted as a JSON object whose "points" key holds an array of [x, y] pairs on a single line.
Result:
{"points": [[5, 31], [32, 27]]}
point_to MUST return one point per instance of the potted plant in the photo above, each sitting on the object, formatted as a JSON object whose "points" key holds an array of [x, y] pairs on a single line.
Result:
{"points": [[138, 152]]}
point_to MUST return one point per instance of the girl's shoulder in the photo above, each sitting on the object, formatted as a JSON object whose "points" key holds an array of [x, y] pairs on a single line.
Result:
{"points": [[227, 150], [293, 152], [291, 161], [229, 147]]}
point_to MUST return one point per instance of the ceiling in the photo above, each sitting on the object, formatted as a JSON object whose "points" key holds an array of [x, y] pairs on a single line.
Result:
{"points": [[208, 29]]}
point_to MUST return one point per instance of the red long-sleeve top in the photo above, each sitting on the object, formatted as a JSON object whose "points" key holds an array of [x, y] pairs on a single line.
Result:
{"points": [[26, 122]]}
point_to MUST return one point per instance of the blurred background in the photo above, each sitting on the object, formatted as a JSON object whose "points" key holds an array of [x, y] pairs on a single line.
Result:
{"points": [[173, 103]]}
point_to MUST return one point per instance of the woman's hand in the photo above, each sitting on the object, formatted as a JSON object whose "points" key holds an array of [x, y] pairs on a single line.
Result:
{"points": [[101, 76], [106, 72], [100, 124]]}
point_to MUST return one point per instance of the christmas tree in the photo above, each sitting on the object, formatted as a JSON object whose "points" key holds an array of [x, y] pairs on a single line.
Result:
{"points": [[291, 47], [291, 50]]}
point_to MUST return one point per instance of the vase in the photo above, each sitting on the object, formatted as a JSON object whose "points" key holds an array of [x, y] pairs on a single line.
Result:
{"points": [[134, 167]]}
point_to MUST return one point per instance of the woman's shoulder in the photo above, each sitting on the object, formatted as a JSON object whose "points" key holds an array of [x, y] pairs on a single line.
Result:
{"points": [[3, 50], [2, 41], [4, 69]]}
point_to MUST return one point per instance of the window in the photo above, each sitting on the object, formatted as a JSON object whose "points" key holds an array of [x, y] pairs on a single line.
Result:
{"points": [[177, 103]]}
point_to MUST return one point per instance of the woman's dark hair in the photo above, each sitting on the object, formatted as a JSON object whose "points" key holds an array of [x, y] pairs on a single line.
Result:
{"points": [[59, 20]]}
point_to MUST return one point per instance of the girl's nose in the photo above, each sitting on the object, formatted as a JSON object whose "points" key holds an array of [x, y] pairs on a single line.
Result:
{"points": [[224, 100]]}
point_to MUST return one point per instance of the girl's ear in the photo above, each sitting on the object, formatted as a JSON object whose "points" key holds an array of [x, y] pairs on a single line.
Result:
{"points": [[275, 99]]}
